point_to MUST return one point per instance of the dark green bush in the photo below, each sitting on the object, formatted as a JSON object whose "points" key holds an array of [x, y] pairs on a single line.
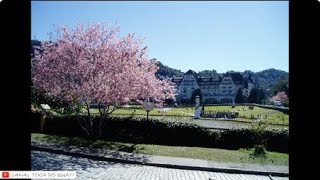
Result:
{"points": [[236, 138], [259, 151], [152, 131], [277, 140]]}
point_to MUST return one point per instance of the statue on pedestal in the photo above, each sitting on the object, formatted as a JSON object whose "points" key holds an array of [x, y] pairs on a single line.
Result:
{"points": [[197, 108]]}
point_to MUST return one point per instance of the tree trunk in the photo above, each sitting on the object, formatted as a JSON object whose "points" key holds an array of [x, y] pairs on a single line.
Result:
{"points": [[84, 126]]}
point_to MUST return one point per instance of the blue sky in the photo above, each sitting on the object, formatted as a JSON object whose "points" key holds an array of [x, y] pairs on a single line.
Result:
{"points": [[186, 35]]}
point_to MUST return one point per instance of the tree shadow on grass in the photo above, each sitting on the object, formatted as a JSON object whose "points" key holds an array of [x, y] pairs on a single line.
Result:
{"points": [[80, 141], [117, 149], [129, 158], [98, 147], [51, 161]]}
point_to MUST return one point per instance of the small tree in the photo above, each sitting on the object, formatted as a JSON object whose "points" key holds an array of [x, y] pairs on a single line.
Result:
{"points": [[240, 97], [260, 140], [262, 96], [253, 97], [202, 109], [93, 64], [196, 92], [256, 96]]}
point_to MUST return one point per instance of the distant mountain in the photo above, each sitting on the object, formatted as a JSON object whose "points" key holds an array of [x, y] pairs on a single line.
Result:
{"points": [[166, 72], [269, 80], [208, 73], [266, 79], [281, 85]]}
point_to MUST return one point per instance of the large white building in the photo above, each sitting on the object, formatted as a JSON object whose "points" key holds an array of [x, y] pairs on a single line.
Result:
{"points": [[218, 89]]}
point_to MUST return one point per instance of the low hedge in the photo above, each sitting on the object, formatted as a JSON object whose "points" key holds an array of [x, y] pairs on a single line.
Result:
{"points": [[153, 131]]}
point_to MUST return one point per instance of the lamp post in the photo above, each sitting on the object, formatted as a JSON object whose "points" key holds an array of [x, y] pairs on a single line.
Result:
{"points": [[148, 106]]}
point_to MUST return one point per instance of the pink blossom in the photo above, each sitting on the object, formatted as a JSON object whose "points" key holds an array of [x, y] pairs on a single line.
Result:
{"points": [[94, 63], [281, 96]]}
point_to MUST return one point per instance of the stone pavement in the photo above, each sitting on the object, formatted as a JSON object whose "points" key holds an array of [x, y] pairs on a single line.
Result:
{"points": [[88, 169], [162, 161]]}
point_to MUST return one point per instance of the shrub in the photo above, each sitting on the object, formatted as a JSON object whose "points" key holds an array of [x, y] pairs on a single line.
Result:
{"points": [[259, 134], [251, 107], [277, 140], [259, 151], [151, 131], [236, 138]]}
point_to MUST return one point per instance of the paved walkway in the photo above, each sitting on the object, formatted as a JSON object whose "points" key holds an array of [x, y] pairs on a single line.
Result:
{"points": [[163, 161], [88, 169]]}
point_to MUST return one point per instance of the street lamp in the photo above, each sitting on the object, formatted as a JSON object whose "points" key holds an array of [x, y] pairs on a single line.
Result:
{"points": [[148, 106]]}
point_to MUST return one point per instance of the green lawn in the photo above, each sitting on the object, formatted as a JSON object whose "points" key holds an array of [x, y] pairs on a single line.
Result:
{"points": [[267, 115], [213, 154], [155, 112]]}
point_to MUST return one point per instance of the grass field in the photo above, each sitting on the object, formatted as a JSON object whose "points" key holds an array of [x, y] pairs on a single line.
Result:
{"points": [[213, 154], [155, 112], [267, 115]]}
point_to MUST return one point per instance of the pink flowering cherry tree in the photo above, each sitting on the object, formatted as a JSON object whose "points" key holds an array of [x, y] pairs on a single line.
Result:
{"points": [[93, 64], [281, 96]]}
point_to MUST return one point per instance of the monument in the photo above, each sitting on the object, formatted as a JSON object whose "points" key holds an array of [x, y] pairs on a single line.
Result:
{"points": [[197, 108], [44, 108]]}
